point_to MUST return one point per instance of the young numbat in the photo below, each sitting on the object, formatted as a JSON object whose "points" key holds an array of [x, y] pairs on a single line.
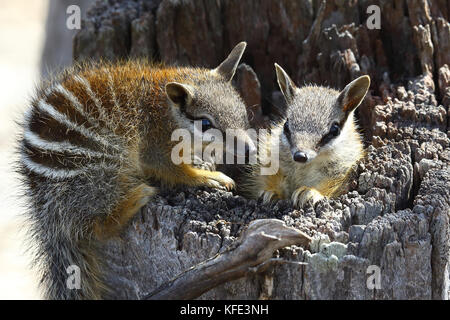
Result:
{"points": [[317, 143], [94, 138]]}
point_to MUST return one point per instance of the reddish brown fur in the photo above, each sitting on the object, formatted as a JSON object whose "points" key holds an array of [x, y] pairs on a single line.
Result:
{"points": [[131, 123]]}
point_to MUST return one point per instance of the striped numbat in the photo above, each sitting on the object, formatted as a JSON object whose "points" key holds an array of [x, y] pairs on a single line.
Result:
{"points": [[94, 138]]}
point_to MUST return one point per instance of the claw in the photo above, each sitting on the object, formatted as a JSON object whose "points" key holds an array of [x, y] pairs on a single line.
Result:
{"points": [[266, 196], [305, 194], [230, 186], [221, 181]]}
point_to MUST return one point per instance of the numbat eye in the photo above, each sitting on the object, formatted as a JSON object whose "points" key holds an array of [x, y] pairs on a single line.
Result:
{"points": [[287, 132], [334, 130], [206, 124]]}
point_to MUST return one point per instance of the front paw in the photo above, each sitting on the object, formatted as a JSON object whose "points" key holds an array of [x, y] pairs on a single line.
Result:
{"points": [[267, 196], [305, 194], [219, 180]]}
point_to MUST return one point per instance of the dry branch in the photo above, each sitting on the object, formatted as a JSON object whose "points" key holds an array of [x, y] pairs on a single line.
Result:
{"points": [[249, 254]]}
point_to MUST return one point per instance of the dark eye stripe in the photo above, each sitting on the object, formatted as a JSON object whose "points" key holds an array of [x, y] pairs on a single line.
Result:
{"points": [[286, 129], [335, 130]]}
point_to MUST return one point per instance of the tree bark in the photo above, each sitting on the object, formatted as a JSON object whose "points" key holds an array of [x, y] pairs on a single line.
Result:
{"points": [[395, 215]]}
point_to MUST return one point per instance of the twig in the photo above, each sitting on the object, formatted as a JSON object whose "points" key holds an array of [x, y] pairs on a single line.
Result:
{"points": [[252, 253]]}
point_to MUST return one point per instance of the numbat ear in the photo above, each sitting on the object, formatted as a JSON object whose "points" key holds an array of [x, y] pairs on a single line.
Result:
{"points": [[353, 94], [287, 86], [228, 67], [180, 94]]}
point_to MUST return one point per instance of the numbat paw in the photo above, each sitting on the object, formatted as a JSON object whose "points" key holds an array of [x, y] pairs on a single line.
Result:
{"points": [[267, 196], [305, 194], [220, 181]]}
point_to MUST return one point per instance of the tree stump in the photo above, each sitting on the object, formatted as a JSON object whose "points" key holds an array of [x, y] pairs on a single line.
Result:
{"points": [[395, 216]]}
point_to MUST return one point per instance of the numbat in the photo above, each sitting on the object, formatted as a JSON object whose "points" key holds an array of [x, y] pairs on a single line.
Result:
{"points": [[317, 141], [94, 138]]}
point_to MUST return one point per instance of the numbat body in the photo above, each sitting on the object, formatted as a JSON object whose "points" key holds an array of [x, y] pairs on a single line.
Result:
{"points": [[318, 143], [93, 139]]}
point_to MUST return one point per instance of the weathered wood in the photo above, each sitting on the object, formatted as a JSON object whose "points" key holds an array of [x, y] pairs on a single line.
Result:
{"points": [[252, 253]]}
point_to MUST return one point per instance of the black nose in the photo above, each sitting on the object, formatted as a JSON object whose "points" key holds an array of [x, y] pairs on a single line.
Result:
{"points": [[300, 156]]}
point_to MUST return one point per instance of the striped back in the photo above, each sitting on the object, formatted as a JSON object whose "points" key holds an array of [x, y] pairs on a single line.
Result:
{"points": [[67, 130], [96, 116]]}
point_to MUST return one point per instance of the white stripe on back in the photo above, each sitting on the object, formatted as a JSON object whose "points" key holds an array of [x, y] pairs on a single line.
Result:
{"points": [[62, 118], [58, 173], [36, 141], [46, 171], [94, 98], [75, 102]]}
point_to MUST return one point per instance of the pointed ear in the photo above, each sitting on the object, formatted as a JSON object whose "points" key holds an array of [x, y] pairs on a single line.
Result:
{"points": [[180, 94], [353, 94], [287, 86], [228, 67]]}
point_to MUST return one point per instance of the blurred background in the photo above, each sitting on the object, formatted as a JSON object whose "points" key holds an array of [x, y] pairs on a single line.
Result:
{"points": [[27, 52]]}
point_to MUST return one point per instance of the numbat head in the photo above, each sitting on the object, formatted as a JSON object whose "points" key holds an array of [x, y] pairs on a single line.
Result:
{"points": [[317, 140], [319, 121], [210, 98]]}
